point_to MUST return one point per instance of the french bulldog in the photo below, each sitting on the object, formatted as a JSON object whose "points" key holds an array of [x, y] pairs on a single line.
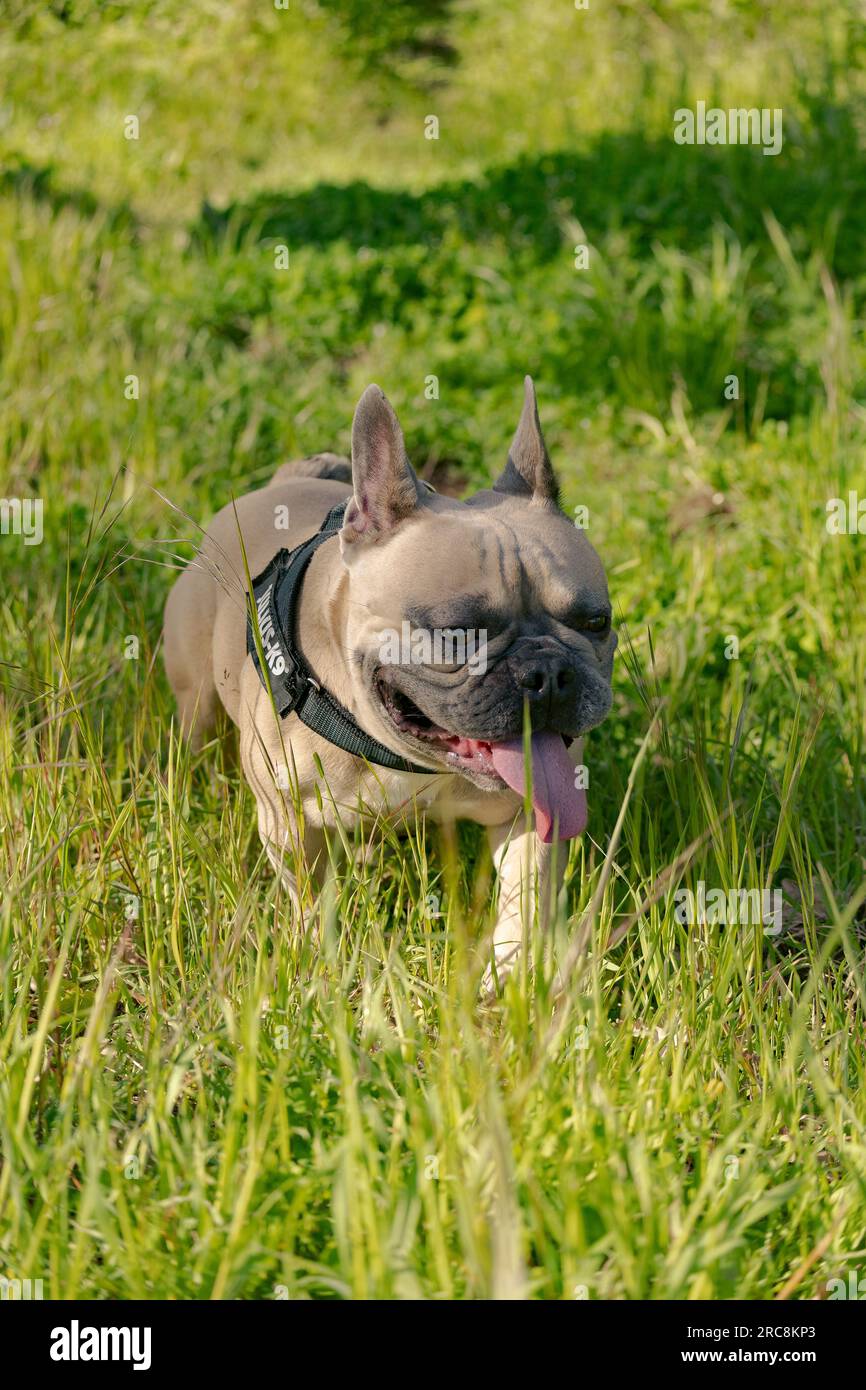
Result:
{"points": [[505, 565]]}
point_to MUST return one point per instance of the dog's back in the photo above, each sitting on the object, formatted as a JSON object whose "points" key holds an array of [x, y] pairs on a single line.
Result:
{"points": [[205, 614], [333, 468]]}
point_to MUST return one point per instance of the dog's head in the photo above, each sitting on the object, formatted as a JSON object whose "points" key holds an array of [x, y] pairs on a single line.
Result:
{"points": [[461, 615]]}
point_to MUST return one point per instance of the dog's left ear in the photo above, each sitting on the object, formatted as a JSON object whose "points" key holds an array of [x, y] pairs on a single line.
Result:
{"points": [[385, 488], [529, 472]]}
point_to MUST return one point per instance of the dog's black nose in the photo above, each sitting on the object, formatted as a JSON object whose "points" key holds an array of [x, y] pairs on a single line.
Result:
{"points": [[546, 681]]}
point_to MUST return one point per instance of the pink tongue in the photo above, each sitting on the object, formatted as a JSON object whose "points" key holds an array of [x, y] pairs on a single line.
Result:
{"points": [[554, 795]]}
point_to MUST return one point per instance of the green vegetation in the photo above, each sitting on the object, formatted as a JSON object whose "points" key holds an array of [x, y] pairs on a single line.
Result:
{"points": [[193, 1103]]}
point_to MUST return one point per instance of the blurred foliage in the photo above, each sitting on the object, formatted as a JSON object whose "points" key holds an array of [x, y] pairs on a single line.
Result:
{"points": [[386, 33]]}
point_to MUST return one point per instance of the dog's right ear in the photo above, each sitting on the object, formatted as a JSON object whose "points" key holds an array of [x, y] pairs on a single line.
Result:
{"points": [[529, 472], [384, 485]]}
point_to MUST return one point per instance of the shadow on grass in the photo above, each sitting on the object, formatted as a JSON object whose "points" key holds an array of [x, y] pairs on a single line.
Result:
{"points": [[39, 183], [653, 188]]}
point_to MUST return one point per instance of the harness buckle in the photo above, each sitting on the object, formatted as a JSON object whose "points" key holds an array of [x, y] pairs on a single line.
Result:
{"points": [[292, 681]]}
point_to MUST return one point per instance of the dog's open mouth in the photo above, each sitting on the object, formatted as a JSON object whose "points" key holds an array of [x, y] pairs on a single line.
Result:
{"points": [[559, 803], [470, 754]]}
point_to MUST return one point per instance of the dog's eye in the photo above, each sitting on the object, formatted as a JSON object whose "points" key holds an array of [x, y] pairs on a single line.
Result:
{"points": [[599, 624]]}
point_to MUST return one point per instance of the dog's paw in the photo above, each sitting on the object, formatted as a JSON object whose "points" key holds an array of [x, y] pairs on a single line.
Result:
{"points": [[505, 956]]}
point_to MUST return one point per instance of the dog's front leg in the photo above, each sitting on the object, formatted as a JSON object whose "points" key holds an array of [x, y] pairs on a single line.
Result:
{"points": [[530, 875], [296, 856], [299, 872]]}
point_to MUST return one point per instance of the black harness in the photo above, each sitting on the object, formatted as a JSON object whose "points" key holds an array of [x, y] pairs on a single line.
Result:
{"points": [[276, 594]]}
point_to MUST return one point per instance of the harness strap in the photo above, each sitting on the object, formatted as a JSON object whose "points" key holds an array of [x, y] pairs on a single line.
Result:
{"points": [[276, 596]]}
